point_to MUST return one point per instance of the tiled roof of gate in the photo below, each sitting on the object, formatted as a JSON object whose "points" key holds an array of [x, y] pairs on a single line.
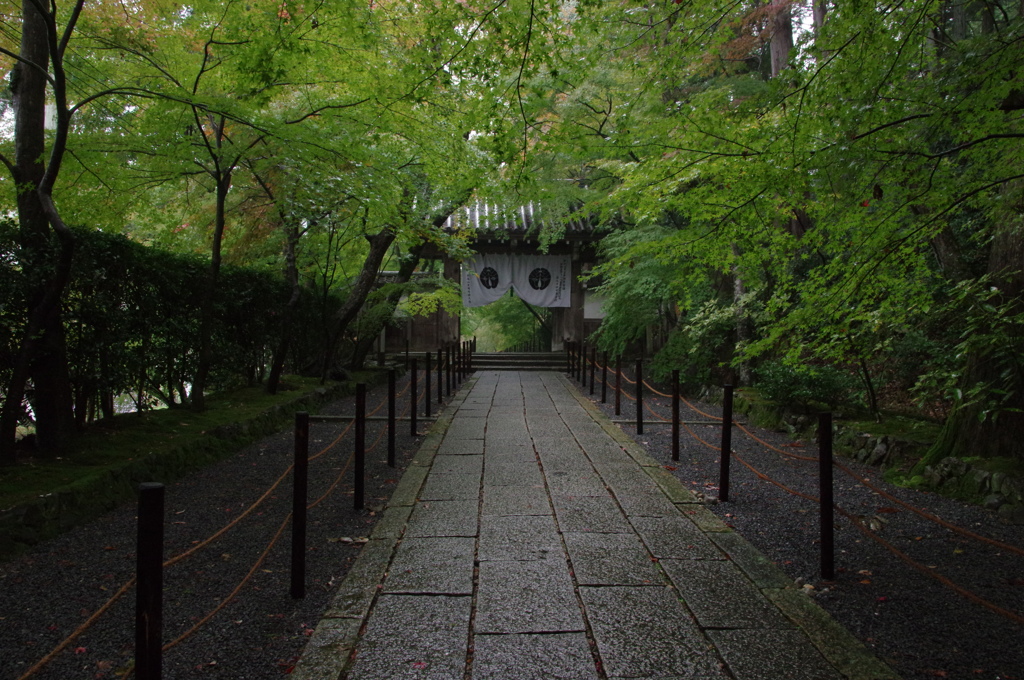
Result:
{"points": [[496, 222]]}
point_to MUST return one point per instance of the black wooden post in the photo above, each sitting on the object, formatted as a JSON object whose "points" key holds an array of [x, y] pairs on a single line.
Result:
{"points": [[440, 379], [413, 388], [359, 469], [604, 379], [149, 617], [639, 396], [593, 367], [618, 385], [426, 388], [675, 414], [300, 476], [391, 418], [726, 453], [825, 482], [448, 368], [568, 356]]}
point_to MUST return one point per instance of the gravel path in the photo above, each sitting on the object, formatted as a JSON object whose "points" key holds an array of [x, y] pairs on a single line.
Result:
{"points": [[48, 593], [921, 627]]}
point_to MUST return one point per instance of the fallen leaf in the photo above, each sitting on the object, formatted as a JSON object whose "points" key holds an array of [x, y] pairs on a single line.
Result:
{"points": [[419, 665], [80, 650]]}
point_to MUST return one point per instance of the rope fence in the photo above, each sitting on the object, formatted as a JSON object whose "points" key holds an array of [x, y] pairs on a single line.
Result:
{"points": [[203, 543]]}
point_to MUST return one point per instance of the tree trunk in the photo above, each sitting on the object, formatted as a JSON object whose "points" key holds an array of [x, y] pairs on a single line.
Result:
{"points": [[405, 272], [42, 356], [819, 11], [199, 385], [379, 244], [782, 36], [291, 271], [965, 433]]}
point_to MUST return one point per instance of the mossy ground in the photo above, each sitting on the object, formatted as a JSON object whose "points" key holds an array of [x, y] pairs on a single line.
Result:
{"points": [[39, 497]]}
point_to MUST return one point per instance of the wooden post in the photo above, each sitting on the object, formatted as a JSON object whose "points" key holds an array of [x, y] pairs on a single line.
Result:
{"points": [[639, 396], [149, 568], [391, 418], [300, 476], [826, 494], [359, 467], [412, 400], [675, 414], [726, 453]]}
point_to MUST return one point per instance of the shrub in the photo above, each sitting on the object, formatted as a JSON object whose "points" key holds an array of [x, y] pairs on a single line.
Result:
{"points": [[805, 386]]}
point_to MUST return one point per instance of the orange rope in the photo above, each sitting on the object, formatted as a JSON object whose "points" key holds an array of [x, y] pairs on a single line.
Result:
{"points": [[334, 484], [882, 492], [697, 410], [927, 515], [694, 435], [199, 624], [660, 394], [191, 551], [78, 631], [656, 414], [960, 590]]}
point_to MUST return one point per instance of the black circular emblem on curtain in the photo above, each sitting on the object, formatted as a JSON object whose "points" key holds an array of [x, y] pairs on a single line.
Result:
{"points": [[489, 277], [540, 278]]}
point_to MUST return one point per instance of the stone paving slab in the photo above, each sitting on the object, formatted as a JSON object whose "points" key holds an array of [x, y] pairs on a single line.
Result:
{"points": [[513, 473], [758, 654], [438, 565], [451, 487], [566, 483], [675, 537], [509, 551], [518, 537], [444, 518], [645, 632], [462, 447], [611, 560], [721, 596], [565, 656], [414, 636], [586, 514], [516, 500], [458, 465], [534, 596]]}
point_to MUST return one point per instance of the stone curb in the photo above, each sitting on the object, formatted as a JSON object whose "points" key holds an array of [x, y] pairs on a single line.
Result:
{"points": [[846, 653], [337, 634]]}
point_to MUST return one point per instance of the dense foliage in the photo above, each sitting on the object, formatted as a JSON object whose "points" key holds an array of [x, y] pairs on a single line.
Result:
{"points": [[821, 184], [132, 318], [783, 183]]}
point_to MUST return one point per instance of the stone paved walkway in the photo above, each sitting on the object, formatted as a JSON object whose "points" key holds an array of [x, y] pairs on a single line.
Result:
{"points": [[530, 538]]}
